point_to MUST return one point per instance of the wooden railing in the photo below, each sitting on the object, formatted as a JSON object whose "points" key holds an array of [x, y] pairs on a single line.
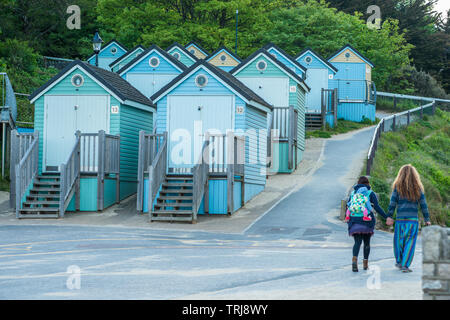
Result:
{"points": [[149, 146], [70, 178], [26, 170], [200, 174], [394, 122], [20, 143], [156, 172]]}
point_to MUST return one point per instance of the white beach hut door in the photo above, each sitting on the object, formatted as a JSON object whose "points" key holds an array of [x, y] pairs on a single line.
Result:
{"points": [[189, 118], [64, 115], [316, 79]]}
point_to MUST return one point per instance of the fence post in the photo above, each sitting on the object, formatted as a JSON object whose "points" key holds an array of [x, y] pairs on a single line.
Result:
{"points": [[433, 107], [291, 137], [140, 174], [323, 108], [393, 123], [78, 166], [100, 170], [118, 172], [395, 103], [421, 112], [408, 117], [14, 159], [62, 189]]}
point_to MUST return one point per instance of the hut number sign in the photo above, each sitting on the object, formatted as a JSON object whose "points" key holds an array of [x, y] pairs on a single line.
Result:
{"points": [[293, 89], [114, 109], [239, 109]]}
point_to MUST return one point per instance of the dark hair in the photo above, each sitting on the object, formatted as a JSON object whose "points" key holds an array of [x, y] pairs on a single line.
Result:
{"points": [[363, 180]]}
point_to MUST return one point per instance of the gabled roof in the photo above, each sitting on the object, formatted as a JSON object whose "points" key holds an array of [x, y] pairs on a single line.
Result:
{"points": [[198, 47], [225, 49], [106, 45], [240, 88], [285, 54], [318, 56], [275, 61], [153, 47], [183, 49], [348, 46], [139, 46], [110, 80]]}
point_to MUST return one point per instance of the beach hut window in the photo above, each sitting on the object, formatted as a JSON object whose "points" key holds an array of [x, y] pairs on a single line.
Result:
{"points": [[201, 80], [261, 65], [347, 55], [176, 55], [192, 51], [223, 57], [308, 59], [113, 50], [77, 80], [154, 62]]}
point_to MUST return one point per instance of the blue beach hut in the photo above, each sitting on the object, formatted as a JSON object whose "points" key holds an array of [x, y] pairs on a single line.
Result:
{"points": [[151, 70], [119, 63], [110, 52], [84, 153], [223, 59], [356, 90], [214, 154], [319, 76], [285, 90], [180, 53]]}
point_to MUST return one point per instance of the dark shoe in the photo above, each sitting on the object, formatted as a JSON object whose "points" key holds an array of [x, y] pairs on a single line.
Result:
{"points": [[365, 264], [355, 264], [398, 265], [406, 269]]}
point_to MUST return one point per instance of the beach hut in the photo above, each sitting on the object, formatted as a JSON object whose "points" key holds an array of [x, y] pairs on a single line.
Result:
{"points": [[110, 52], [356, 90], [213, 155], [223, 59], [83, 153], [196, 50], [151, 70], [285, 90], [286, 59], [127, 57], [180, 53], [319, 76]]}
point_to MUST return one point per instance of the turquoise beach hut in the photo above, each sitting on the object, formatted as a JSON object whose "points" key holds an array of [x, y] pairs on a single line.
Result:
{"points": [[285, 90], [356, 90], [205, 108], [180, 53], [110, 52], [286, 59], [88, 120]]}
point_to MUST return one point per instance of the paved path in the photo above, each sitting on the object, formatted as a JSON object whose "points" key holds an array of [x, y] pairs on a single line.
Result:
{"points": [[296, 250]]}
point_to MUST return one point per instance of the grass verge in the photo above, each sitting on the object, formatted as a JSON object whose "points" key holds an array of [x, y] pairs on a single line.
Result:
{"points": [[426, 145]]}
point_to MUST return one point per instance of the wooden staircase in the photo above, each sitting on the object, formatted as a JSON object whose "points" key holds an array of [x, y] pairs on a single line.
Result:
{"points": [[175, 200], [43, 198], [313, 121]]}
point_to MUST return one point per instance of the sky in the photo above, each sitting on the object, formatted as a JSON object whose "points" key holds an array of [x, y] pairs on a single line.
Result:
{"points": [[442, 6]]}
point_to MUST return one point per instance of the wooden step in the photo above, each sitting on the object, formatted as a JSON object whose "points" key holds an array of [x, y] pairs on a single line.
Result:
{"points": [[44, 190], [38, 216], [173, 219], [165, 191], [36, 197], [43, 209], [168, 184], [40, 202], [173, 205], [175, 198], [47, 183], [170, 212]]}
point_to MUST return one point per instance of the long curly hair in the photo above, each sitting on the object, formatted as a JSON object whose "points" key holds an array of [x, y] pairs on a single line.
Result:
{"points": [[408, 183]]}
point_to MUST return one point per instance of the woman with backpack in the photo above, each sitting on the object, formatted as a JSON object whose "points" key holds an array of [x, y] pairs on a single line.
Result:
{"points": [[407, 196], [359, 226]]}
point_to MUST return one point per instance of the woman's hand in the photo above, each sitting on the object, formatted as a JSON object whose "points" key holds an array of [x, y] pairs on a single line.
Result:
{"points": [[389, 221]]}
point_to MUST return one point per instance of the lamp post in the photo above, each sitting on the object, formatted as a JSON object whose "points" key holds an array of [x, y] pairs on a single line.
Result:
{"points": [[235, 49], [97, 45]]}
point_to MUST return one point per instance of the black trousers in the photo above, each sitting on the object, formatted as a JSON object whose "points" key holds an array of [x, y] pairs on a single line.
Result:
{"points": [[359, 238]]}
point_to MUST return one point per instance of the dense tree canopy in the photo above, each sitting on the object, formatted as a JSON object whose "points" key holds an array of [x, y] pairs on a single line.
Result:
{"points": [[411, 32]]}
